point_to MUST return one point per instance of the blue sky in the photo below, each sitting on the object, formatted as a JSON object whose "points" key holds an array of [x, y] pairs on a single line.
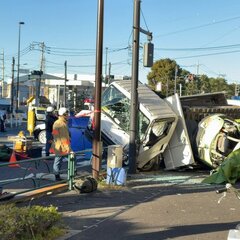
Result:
{"points": [[201, 35]]}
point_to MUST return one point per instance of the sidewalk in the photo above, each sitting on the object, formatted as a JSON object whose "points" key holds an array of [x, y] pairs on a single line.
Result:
{"points": [[159, 205]]}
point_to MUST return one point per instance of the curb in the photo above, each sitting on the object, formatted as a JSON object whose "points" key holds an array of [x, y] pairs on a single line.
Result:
{"points": [[13, 198]]}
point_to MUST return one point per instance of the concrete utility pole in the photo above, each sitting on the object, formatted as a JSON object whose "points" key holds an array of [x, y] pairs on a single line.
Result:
{"points": [[109, 72], [17, 91], [106, 65], [42, 60], [2, 83], [134, 84], [134, 89], [65, 82], [12, 85], [97, 148], [175, 79]]}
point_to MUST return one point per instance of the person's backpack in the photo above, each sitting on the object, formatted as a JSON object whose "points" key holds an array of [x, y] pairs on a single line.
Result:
{"points": [[87, 185]]}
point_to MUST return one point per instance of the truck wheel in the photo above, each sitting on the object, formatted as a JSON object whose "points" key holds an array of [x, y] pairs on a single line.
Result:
{"points": [[149, 166], [42, 137]]}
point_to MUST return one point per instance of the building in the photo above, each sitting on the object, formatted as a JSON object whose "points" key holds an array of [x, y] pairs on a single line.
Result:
{"points": [[52, 86]]}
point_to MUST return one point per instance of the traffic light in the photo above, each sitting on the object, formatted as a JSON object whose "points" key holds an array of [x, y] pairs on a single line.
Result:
{"points": [[35, 72], [148, 54]]}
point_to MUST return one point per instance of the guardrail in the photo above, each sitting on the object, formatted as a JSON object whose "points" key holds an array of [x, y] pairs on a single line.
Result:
{"points": [[35, 173]]}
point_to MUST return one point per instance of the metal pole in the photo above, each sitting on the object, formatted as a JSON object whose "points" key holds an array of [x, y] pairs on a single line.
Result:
{"points": [[106, 66], [175, 80], [65, 80], [134, 89], [97, 155], [12, 84], [109, 72], [19, 38], [71, 171], [3, 75]]}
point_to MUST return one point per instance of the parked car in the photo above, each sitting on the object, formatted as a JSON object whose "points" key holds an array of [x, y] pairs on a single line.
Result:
{"points": [[40, 133], [40, 113]]}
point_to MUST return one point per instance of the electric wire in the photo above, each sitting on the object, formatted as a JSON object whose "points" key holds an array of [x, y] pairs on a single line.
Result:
{"points": [[197, 27], [201, 48]]}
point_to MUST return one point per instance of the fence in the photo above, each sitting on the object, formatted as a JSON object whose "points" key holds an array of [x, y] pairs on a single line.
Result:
{"points": [[23, 176]]}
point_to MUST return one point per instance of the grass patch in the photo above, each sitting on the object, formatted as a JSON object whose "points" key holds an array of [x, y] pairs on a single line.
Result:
{"points": [[30, 223]]}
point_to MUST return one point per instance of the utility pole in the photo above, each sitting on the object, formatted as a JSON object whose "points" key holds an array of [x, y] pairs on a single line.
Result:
{"points": [[197, 68], [106, 66], [2, 82], [42, 69], [134, 89], [97, 148], [180, 89], [134, 86], [42, 61], [109, 72], [65, 81], [12, 85], [18, 66], [175, 79]]}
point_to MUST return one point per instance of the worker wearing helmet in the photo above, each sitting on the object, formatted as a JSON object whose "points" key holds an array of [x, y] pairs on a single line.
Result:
{"points": [[61, 141], [49, 121]]}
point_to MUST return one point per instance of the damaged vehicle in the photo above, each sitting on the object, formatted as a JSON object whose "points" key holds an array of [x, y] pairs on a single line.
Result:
{"points": [[218, 135], [156, 122], [178, 130]]}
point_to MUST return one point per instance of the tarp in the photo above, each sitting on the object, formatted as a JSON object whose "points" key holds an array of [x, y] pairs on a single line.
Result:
{"points": [[228, 171], [79, 141]]}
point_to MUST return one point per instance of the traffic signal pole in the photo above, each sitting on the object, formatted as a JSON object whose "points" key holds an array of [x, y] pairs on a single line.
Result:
{"points": [[134, 108], [134, 89]]}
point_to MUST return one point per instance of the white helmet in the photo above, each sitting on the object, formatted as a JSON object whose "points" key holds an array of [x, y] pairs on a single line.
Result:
{"points": [[62, 111], [50, 109]]}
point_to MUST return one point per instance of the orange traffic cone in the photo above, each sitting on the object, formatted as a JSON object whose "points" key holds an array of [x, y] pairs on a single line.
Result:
{"points": [[13, 160]]}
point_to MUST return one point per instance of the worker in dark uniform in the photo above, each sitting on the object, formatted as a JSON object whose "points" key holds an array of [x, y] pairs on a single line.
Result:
{"points": [[2, 121], [50, 119]]}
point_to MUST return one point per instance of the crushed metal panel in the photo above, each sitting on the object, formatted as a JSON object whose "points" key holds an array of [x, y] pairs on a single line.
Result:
{"points": [[179, 151], [217, 137], [157, 120]]}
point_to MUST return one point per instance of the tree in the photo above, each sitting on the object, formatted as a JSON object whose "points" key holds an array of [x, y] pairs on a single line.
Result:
{"points": [[205, 86], [163, 71], [218, 84]]}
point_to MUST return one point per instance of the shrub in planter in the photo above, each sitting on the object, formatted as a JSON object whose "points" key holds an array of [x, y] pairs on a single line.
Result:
{"points": [[33, 222]]}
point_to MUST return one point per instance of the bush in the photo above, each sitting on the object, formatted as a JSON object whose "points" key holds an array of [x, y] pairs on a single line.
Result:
{"points": [[33, 222]]}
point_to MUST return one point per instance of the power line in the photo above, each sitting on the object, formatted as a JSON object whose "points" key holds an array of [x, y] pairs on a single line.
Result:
{"points": [[201, 48], [199, 26], [210, 54]]}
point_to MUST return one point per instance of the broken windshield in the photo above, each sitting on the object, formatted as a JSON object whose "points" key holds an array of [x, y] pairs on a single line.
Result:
{"points": [[117, 106]]}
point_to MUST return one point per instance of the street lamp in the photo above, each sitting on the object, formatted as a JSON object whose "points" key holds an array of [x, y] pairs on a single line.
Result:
{"points": [[19, 38]]}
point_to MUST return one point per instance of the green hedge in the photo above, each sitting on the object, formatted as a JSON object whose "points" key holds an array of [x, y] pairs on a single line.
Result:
{"points": [[33, 223]]}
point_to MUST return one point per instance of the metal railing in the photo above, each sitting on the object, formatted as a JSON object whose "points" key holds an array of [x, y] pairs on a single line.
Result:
{"points": [[35, 173]]}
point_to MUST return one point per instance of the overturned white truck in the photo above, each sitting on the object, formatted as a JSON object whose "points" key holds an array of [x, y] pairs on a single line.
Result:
{"points": [[162, 130]]}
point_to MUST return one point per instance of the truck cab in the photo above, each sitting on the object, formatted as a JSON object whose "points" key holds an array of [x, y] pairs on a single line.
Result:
{"points": [[156, 121]]}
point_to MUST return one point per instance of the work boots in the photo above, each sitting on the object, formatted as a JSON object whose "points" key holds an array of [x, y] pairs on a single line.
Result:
{"points": [[57, 177]]}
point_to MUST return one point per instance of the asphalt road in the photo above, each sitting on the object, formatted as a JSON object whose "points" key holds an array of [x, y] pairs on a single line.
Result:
{"points": [[154, 206]]}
